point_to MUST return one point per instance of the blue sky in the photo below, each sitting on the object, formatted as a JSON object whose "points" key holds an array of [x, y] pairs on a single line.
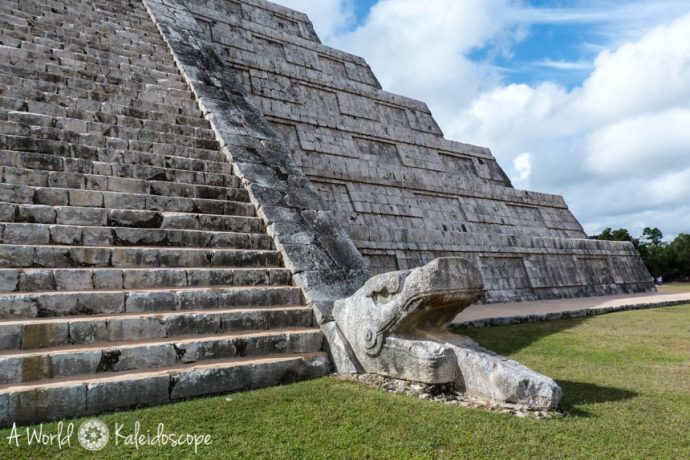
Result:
{"points": [[589, 99], [560, 52], [362, 8]]}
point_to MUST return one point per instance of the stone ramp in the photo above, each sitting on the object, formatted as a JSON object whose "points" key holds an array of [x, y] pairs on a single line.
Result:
{"points": [[134, 269]]}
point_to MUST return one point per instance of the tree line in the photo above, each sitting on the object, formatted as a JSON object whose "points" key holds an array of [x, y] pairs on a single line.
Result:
{"points": [[670, 261]]}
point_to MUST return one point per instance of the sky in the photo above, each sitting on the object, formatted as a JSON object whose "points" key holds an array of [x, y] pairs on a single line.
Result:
{"points": [[589, 99]]}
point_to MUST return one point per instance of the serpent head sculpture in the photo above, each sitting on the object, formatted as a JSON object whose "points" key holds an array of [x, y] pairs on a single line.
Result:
{"points": [[395, 326]]}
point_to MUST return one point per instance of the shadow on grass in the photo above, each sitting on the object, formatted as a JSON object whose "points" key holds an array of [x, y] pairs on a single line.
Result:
{"points": [[506, 340], [577, 394]]}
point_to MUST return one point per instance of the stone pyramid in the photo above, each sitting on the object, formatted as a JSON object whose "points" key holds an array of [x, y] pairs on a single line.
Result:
{"points": [[404, 194], [187, 186]]}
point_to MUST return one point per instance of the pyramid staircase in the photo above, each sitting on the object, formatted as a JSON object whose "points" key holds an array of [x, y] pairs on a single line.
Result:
{"points": [[133, 268]]}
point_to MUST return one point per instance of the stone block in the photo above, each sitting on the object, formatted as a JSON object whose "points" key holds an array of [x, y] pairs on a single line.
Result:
{"points": [[95, 236], [5, 418], [36, 280], [143, 357], [151, 301], [107, 279], [10, 336], [73, 280], [68, 236], [194, 324], [10, 370], [26, 234], [79, 362], [81, 216], [37, 214], [130, 329], [120, 394], [83, 332], [17, 307], [9, 280], [44, 335], [85, 198], [48, 403]]}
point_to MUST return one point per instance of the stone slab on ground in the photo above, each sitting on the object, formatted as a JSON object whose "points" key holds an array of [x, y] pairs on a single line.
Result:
{"points": [[504, 314]]}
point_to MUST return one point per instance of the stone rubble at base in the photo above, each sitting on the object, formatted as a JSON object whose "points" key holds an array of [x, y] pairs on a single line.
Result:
{"points": [[444, 394]]}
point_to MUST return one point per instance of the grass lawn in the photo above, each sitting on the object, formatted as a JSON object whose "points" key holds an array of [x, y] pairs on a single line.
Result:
{"points": [[674, 288], [626, 378]]}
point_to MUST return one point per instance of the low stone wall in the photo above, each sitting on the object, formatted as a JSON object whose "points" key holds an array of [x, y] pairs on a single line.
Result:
{"points": [[581, 313]]}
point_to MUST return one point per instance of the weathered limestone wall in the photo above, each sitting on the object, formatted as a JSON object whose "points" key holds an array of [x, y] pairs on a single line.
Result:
{"points": [[404, 194]]}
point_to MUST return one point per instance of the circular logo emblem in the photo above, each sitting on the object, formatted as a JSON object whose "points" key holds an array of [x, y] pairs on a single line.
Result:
{"points": [[93, 435]]}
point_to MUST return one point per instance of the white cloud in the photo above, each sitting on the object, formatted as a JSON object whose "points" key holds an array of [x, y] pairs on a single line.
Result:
{"points": [[565, 65], [419, 48], [641, 146], [643, 76], [618, 147], [523, 165]]}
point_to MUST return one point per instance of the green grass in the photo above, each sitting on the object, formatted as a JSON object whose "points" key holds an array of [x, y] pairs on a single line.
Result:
{"points": [[674, 288], [626, 379]]}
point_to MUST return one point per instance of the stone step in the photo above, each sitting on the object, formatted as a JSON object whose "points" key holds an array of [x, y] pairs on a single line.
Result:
{"points": [[38, 165], [73, 235], [118, 151], [128, 52], [98, 28], [99, 202], [60, 332], [56, 79], [97, 120], [232, 191], [36, 57], [61, 13], [72, 131], [90, 395], [58, 83], [115, 114], [84, 52], [69, 100], [56, 362], [128, 218], [115, 149], [55, 256], [27, 63], [102, 121], [111, 302], [95, 279]]}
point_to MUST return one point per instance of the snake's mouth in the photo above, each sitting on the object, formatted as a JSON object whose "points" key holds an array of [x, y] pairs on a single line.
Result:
{"points": [[433, 309]]}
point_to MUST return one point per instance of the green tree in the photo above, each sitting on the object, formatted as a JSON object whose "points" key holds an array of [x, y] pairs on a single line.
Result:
{"points": [[652, 236], [680, 250], [620, 234], [671, 261]]}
